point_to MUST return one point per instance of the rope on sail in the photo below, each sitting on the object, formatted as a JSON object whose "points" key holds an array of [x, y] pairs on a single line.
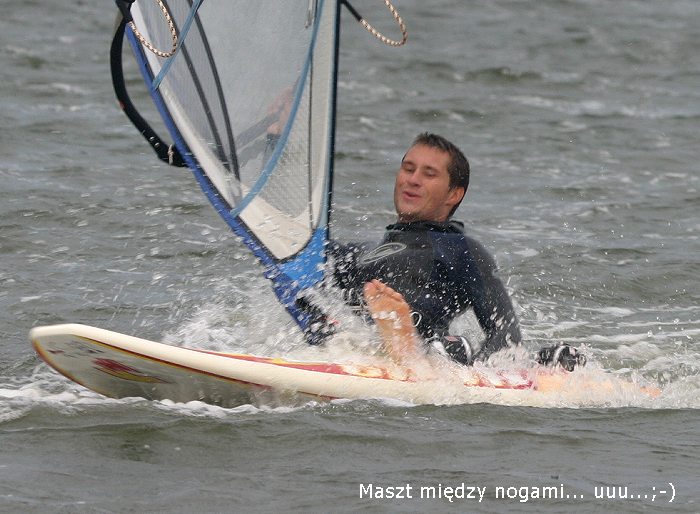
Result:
{"points": [[375, 32], [171, 26]]}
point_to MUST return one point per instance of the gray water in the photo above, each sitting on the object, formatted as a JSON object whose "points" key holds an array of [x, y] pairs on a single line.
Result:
{"points": [[581, 121]]}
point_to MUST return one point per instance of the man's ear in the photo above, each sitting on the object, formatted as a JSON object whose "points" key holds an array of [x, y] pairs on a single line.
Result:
{"points": [[455, 196]]}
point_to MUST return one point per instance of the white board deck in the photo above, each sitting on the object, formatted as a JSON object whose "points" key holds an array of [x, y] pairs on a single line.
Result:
{"points": [[119, 366]]}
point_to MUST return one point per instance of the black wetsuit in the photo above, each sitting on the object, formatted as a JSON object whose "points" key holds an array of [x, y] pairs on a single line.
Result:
{"points": [[441, 273]]}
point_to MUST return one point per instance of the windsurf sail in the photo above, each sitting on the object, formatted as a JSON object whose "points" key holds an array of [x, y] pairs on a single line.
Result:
{"points": [[247, 91]]}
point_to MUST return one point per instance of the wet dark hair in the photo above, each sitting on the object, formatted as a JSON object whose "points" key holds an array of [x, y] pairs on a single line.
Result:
{"points": [[458, 168]]}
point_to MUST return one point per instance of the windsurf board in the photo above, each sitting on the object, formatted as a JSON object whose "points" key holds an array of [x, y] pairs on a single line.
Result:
{"points": [[118, 366]]}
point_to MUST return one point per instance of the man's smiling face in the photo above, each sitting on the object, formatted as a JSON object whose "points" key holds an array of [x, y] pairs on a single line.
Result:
{"points": [[422, 189]]}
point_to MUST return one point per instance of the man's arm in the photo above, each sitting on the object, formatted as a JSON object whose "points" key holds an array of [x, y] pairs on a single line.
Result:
{"points": [[497, 318], [492, 307], [342, 258]]}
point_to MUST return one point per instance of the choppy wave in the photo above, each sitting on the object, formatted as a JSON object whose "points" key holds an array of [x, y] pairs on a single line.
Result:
{"points": [[615, 364]]}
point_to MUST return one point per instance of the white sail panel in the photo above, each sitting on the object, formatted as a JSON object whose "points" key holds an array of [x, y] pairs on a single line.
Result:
{"points": [[251, 93]]}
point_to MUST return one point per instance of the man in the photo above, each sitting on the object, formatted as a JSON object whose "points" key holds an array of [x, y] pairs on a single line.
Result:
{"points": [[426, 271], [426, 258]]}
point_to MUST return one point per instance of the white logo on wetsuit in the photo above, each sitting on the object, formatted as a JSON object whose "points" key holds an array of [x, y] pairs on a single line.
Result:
{"points": [[416, 318], [381, 252]]}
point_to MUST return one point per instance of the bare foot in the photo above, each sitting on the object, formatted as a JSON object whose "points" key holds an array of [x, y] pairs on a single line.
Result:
{"points": [[392, 315]]}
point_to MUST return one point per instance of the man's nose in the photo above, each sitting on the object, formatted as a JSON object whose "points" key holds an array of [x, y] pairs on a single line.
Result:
{"points": [[414, 178]]}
